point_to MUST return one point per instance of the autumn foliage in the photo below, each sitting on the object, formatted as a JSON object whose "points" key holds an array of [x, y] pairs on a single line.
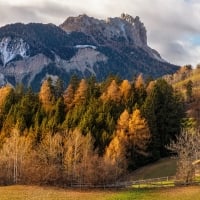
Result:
{"points": [[86, 133]]}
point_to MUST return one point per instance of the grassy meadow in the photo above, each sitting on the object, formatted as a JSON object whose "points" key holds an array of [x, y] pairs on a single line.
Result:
{"points": [[162, 168], [49, 193]]}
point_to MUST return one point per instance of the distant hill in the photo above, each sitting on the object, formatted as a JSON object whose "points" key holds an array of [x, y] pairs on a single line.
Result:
{"points": [[179, 80], [81, 45]]}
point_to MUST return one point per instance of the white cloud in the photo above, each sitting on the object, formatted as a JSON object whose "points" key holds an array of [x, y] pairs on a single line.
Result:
{"points": [[170, 24]]}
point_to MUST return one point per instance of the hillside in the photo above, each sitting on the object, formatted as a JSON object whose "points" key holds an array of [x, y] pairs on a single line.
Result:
{"points": [[165, 167], [187, 82]]}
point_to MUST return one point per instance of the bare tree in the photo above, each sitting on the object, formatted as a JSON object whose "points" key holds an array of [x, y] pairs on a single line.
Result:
{"points": [[14, 155], [187, 148]]}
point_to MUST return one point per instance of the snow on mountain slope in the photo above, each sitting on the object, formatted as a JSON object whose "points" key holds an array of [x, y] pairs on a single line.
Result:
{"points": [[10, 48]]}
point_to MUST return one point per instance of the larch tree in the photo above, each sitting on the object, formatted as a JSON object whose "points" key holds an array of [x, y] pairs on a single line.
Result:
{"points": [[112, 93], [6, 100], [125, 89], [150, 87], [80, 94], [68, 97], [4, 92], [115, 153], [46, 95], [139, 133], [139, 82], [138, 139], [122, 123]]}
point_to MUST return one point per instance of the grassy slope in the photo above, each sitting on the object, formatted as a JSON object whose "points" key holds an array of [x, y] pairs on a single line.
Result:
{"points": [[162, 168], [40, 193]]}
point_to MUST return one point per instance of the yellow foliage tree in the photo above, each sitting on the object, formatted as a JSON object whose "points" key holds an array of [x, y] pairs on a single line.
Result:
{"points": [[14, 155], [4, 92], [46, 96], [139, 83], [122, 123], [125, 89], [80, 94], [112, 93], [150, 87], [68, 97], [139, 133], [116, 153]]}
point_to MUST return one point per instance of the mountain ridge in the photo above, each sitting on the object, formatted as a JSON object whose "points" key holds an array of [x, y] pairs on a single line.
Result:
{"points": [[81, 45]]}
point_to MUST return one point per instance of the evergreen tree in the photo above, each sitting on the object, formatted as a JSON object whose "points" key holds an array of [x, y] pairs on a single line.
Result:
{"points": [[189, 87], [163, 110], [58, 88], [59, 111]]}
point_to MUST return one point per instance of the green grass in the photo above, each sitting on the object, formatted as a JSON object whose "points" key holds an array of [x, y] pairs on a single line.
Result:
{"points": [[160, 184], [162, 168], [49, 193]]}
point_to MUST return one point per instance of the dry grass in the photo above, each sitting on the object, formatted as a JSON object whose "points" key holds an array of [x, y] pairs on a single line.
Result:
{"points": [[49, 193], [182, 193]]}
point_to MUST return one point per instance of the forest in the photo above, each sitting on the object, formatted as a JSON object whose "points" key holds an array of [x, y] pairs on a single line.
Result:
{"points": [[88, 132]]}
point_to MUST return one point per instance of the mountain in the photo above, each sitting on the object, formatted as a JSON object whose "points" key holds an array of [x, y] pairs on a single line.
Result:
{"points": [[81, 45]]}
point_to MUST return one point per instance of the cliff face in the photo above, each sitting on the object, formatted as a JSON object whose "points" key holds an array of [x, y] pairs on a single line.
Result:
{"points": [[124, 30], [81, 45]]}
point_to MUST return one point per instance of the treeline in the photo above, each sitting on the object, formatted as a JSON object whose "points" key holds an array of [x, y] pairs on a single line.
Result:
{"points": [[88, 132]]}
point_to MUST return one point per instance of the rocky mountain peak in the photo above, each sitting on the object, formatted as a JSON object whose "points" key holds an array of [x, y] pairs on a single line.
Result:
{"points": [[82, 45], [124, 30]]}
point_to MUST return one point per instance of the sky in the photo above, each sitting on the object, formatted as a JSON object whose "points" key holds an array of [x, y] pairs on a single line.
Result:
{"points": [[173, 26]]}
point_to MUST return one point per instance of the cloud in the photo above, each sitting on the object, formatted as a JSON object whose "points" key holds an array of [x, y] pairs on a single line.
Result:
{"points": [[172, 25], [45, 13]]}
